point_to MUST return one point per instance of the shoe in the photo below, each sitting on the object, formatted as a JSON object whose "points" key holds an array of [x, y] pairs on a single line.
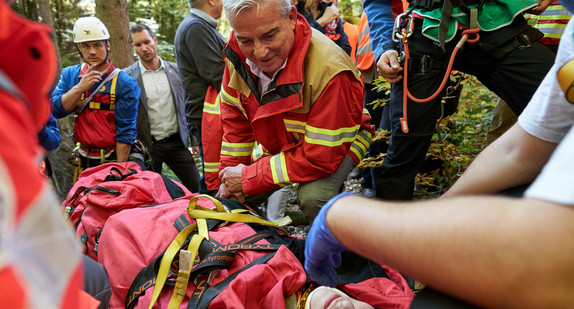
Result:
{"points": [[355, 174]]}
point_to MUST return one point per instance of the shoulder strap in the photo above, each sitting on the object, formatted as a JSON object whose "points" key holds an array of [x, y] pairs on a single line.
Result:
{"points": [[7, 85], [82, 107]]}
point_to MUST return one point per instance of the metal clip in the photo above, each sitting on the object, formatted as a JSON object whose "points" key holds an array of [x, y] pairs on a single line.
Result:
{"points": [[403, 21]]}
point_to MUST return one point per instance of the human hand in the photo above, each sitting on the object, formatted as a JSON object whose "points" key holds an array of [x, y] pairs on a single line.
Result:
{"points": [[224, 193], [231, 178], [389, 67], [541, 7], [195, 151], [322, 249], [90, 77], [331, 13]]}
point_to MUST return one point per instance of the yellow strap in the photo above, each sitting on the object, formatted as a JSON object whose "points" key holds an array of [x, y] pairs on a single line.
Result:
{"points": [[233, 217], [183, 274], [199, 213], [167, 259], [193, 202], [113, 92]]}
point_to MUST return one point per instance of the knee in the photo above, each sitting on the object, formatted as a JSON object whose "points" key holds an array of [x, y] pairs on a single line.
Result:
{"points": [[311, 201]]}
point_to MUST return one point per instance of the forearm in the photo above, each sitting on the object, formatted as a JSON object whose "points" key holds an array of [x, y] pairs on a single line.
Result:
{"points": [[515, 159], [490, 251], [122, 151]]}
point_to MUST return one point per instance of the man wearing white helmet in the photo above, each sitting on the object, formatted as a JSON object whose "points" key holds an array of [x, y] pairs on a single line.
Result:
{"points": [[103, 98]]}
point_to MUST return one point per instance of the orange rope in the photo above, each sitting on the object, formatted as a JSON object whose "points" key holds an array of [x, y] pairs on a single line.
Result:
{"points": [[406, 92]]}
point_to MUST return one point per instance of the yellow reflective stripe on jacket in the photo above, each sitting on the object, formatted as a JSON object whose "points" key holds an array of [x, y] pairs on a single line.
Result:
{"points": [[212, 108], [231, 100], [237, 149], [210, 167], [330, 138], [279, 169], [295, 126], [361, 144]]}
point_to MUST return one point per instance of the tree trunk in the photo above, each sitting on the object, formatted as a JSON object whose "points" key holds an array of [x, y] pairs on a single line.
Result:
{"points": [[115, 15]]}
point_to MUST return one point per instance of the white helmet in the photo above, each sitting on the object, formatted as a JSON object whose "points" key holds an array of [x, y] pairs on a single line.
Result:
{"points": [[90, 29]]}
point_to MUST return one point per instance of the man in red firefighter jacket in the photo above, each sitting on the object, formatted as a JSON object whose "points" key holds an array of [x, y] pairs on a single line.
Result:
{"points": [[103, 98], [298, 96]]}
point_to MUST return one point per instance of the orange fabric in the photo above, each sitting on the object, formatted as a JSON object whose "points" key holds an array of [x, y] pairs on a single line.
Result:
{"points": [[27, 47], [352, 32], [13, 294], [28, 58], [365, 56], [211, 137]]}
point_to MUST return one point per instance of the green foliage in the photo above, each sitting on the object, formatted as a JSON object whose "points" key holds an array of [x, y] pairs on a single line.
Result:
{"points": [[351, 10]]}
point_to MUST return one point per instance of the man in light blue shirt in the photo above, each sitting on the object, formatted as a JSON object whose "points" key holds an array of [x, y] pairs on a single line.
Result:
{"points": [[161, 124]]}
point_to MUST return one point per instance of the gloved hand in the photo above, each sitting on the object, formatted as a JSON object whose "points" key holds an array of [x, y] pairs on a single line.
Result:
{"points": [[322, 249]]}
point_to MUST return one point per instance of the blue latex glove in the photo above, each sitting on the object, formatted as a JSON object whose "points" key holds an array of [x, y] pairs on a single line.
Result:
{"points": [[322, 249]]}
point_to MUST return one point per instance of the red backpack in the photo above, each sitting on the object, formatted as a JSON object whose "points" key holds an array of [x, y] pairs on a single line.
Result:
{"points": [[107, 189]]}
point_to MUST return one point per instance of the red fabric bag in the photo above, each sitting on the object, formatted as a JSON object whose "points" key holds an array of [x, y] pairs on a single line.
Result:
{"points": [[107, 189]]}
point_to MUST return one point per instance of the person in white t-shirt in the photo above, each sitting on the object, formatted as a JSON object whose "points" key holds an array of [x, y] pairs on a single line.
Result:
{"points": [[489, 250]]}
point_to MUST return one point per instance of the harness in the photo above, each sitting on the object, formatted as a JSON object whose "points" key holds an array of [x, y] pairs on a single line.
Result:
{"points": [[7, 85], [403, 29], [86, 101]]}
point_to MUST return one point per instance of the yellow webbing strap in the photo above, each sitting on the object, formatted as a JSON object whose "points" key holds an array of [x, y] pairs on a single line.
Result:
{"points": [[170, 253], [233, 217], [113, 92], [200, 214], [183, 274]]}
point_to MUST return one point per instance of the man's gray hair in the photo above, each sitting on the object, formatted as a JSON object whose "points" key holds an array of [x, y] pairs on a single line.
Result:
{"points": [[233, 7]]}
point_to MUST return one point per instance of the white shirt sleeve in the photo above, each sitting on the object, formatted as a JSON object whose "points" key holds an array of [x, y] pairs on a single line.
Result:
{"points": [[556, 181], [548, 115]]}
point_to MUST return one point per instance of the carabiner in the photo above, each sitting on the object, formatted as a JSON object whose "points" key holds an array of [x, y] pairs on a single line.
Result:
{"points": [[403, 21]]}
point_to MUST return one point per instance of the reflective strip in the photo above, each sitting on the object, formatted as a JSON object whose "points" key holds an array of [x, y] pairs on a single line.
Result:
{"points": [[557, 31], [295, 126], [330, 138], [210, 167], [279, 169], [231, 100], [257, 152], [237, 149], [361, 145], [557, 17], [364, 49], [212, 108]]}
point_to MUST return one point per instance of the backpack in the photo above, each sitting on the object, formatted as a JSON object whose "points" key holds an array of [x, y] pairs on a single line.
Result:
{"points": [[246, 262], [107, 189]]}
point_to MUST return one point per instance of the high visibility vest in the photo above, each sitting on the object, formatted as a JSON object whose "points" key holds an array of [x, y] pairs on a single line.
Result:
{"points": [[365, 57], [551, 22], [352, 32]]}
